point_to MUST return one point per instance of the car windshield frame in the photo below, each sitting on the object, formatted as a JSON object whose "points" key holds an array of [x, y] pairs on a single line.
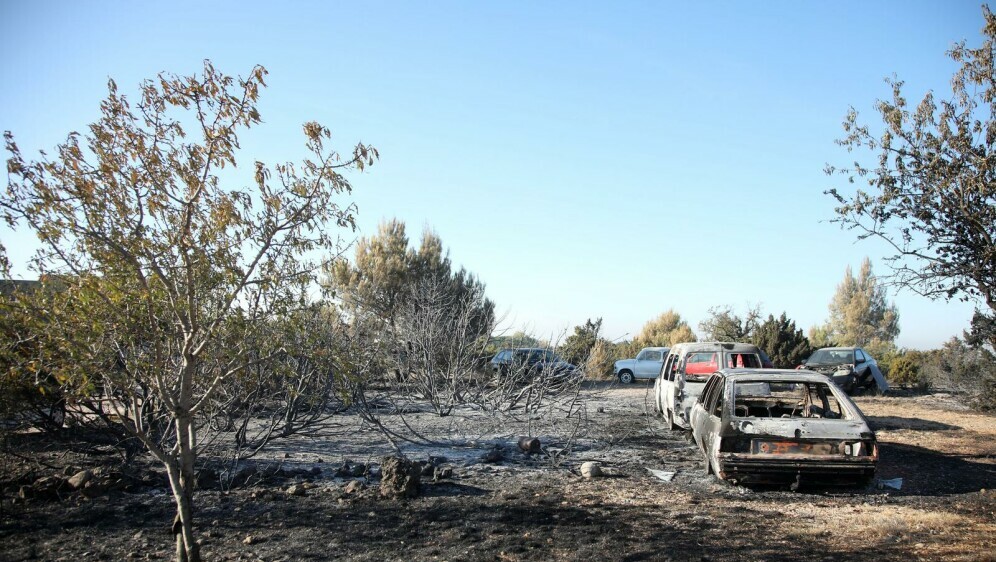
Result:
{"points": [[775, 389], [829, 357]]}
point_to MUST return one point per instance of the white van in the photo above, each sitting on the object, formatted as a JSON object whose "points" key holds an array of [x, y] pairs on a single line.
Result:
{"points": [[687, 368]]}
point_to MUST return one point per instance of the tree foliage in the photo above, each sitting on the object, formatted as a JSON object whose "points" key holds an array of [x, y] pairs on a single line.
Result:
{"points": [[171, 276], [782, 341], [518, 338], [931, 194], [578, 346], [664, 331], [385, 273], [725, 325], [965, 369], [906, 370], [860, 313]]}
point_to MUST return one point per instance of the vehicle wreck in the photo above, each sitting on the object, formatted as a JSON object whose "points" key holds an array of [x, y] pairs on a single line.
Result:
{"points": [[850, 368], [686, 369], [782, 426]]}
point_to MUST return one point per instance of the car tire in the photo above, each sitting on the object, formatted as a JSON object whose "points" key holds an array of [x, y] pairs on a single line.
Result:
{"points": [[626, 377]]}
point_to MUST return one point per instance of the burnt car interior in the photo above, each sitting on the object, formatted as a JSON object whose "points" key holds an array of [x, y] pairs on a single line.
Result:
{"points": [[765, 399]]}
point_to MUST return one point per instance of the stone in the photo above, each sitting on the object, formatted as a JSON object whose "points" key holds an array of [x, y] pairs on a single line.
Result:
{"points": [[400, 478], [591, 469], [443, 473], [95, 488], [354, 487], [297, 490], [48, 487]]}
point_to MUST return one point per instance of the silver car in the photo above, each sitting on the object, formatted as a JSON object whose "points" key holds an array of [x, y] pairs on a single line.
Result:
{"points": [[647, 365]]}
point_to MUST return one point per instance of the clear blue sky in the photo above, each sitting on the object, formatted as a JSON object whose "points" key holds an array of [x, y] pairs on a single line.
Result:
{"points": [[565, 152]]}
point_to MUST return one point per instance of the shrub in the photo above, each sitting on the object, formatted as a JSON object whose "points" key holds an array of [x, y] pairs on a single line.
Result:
{"points": [[905, 371]]}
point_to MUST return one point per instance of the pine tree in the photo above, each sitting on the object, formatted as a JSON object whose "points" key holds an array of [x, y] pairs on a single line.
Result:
{"points": [[860, 312], [782, 341]]}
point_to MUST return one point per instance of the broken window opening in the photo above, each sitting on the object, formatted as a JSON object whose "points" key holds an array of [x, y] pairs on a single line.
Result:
{"points": [[755, 399]]}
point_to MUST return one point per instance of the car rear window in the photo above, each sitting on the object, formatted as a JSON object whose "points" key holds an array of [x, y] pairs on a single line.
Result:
{"points": [[786, 399], [743, 360], [700, 364]]}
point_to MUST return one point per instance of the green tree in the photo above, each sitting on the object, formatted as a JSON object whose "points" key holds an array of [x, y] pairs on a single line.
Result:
{"points": [[725, 325], [578, 346], [782, 341], [820, 336], [168, 268], [385, 273], [931, 193], [664, 331], [860, 313], [905, 370], [378, 279]]}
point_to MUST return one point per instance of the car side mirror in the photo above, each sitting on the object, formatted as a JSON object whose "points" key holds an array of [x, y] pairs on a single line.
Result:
{"points": [[858, 361]]}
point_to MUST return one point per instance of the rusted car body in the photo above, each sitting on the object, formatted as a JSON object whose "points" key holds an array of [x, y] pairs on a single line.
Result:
{"points": [[782, 426], [686, 369]]}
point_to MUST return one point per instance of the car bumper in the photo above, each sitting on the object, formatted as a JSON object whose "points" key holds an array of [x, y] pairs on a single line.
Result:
{"points": [[828, 469]]}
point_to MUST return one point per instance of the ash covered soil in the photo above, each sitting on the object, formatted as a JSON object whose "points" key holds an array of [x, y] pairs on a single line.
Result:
{"points": [[304, 506]]}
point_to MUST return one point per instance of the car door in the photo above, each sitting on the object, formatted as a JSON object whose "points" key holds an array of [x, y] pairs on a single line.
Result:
{"points": [[648, 364], [698, 413], [663, 381], [711, 417], [676, 382]]}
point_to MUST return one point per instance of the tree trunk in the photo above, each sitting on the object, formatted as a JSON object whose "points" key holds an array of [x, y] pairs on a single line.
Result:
{"points": [[181, 477]]}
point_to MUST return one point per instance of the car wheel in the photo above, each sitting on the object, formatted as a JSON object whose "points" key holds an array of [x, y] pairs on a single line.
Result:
{"points": [[626, 377]]}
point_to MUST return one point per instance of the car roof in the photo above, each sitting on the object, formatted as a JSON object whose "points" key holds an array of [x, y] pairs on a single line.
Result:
{"points": [[716, 346], [657, 348], [774, 375], [837, 348]]}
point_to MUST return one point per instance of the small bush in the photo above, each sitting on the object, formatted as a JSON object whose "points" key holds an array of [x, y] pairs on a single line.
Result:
{"points": [[965, 369], [905, 371]]}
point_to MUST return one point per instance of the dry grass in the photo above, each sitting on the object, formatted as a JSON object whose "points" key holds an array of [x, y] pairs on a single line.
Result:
{"points": [[927, 534]]}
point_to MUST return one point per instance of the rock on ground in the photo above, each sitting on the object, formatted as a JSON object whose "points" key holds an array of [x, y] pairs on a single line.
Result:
{"points": [[400, 478]]}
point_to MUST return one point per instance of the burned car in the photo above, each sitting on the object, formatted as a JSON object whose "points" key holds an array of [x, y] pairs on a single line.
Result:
{"points": [[851, 368], [782, 426], [687, 368]]}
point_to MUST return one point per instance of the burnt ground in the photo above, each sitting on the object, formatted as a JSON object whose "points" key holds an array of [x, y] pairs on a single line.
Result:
{"points": [[532, 508]]}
